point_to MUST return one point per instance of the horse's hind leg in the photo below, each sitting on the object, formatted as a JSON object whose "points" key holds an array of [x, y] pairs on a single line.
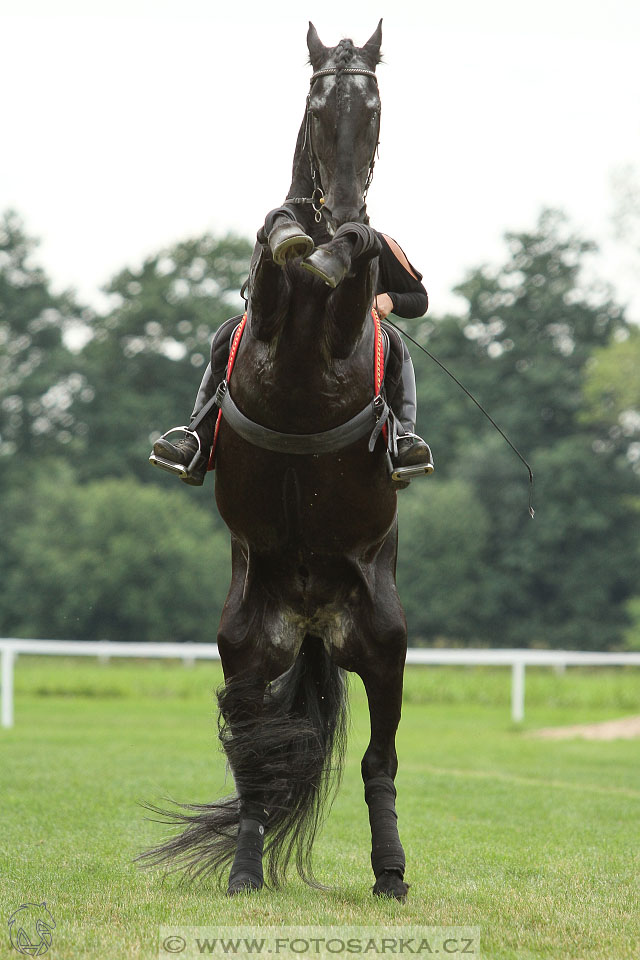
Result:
{"points": [[382, 678], [241, 706]]}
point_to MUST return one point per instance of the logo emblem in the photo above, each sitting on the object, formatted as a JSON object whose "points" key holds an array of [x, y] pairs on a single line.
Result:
{"points": [[30, 929]]}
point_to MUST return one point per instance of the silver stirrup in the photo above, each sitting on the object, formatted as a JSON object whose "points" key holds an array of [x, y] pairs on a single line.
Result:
{"points": [[417, 469], [177, 468]]}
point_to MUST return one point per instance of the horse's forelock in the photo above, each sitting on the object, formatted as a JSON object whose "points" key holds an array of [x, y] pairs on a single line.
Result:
{"points": [[344, 53]]}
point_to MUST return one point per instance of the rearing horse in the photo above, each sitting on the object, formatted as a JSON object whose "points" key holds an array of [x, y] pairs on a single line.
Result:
{"points": [[311, 510]]}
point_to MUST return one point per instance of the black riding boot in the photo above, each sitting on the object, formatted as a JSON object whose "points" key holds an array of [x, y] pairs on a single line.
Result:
{"points": [[188, 457], [414, 455]]}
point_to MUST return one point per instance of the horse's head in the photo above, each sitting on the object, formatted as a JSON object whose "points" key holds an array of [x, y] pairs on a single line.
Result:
{"points": [[343, 123]]}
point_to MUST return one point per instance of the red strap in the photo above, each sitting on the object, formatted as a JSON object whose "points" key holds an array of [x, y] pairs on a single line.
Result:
{"points": [[237, 337], [378, 369], [378, 365]]}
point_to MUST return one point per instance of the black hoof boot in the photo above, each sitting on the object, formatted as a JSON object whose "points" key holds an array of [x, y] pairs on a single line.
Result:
{"points": [[414, 458], [288, 240], [243, 884], [326, 265], [391, 884], [183, 458], [246, 873]]}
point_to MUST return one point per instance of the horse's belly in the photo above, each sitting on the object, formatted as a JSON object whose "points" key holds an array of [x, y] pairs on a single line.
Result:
{"points": [[326, 505]]}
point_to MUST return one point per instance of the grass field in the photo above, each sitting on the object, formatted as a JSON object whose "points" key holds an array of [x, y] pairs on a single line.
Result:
{"points": [[536, 843]]}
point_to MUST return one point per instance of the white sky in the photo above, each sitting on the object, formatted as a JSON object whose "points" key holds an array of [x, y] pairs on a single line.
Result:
{"points": [[130, 124]]}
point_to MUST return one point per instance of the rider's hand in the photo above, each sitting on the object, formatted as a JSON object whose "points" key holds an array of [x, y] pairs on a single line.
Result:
{"points": [[384, 305]]}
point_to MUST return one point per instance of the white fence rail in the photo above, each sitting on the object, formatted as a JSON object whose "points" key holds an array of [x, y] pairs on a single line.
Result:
{"points": [[518, 660]]}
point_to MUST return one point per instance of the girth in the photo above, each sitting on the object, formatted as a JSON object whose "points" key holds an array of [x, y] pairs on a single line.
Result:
{"points": [[369, 420]]}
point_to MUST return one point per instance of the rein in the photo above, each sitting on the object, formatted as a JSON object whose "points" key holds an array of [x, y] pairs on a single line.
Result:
{"points": [[317, 194]]}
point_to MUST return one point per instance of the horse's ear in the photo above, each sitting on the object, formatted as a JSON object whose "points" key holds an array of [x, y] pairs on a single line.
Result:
{"points": [[371, 49], [315, 45]]}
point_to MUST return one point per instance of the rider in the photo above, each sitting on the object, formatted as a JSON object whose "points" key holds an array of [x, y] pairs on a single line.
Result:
{"points": [[400, 290]]}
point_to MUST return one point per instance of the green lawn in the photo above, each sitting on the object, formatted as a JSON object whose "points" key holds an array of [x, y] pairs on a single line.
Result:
{"points": [[534, 842]]}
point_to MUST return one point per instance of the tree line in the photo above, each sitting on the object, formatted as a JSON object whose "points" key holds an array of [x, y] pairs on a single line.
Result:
{"points": [[98, 544]]}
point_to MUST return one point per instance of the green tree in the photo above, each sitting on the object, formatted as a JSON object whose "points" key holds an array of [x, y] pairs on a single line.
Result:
{"points": [[612, 394], [41, 381], [443, 527], [524, 348], [534, 326], [612, 409], [112, 559], [146, 356]]}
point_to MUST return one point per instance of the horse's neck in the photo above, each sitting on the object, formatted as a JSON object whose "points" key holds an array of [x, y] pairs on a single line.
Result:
{"points": [[301, 182], [298, 377], [308, 340]]}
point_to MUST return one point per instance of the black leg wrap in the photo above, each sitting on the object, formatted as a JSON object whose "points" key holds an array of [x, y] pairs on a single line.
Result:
{"points": [[272, 219], [386, 849], [363, 238], [246, 872]]}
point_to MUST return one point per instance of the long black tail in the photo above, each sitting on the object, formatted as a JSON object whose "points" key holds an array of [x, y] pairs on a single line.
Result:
{"points": [[289, 758]]}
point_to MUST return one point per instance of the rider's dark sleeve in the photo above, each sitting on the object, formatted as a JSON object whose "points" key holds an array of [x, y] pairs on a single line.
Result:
{"points": [[408, 293]]}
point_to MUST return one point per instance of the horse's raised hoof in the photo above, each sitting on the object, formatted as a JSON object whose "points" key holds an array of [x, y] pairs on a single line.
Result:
{"points": [[288, 240], [326, 265], [243, 885], [390, 884]]}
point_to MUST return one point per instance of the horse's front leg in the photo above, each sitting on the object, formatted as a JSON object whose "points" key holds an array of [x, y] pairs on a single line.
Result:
{"points": [[334, 261], [382, 678], [285, 236], [280, 239], [241, 708], [350, 259]]}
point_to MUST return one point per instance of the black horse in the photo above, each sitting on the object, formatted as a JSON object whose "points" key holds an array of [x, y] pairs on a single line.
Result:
{"points": [[302, 482]]}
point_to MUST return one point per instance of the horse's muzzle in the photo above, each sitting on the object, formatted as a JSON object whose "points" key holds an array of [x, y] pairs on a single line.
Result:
{"points": [[337, 216]]}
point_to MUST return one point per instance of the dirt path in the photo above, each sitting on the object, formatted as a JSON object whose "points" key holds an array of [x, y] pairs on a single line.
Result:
{"points": [[627, 728]]}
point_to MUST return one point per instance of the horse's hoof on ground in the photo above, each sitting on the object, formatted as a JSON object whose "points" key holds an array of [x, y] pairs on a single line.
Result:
{"points": [[288, 240], [325, 265], [242, 885], [390, 884]]}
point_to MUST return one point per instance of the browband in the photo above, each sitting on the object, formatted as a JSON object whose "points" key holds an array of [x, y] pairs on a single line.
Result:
{"points": [[332, 71]]}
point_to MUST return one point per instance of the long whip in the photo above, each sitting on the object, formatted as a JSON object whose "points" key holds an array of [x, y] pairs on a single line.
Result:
{"points": [[479, 405]]}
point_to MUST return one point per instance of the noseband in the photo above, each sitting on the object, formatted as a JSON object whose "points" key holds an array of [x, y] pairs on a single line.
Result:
{"points": [[317, 195]]}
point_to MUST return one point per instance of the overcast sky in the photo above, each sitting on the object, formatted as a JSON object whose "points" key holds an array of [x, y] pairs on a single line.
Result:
{"points": [[130, 124]]}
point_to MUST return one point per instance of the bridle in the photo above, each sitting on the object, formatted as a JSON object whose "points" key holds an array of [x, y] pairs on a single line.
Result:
{"points": [[317, 194]]}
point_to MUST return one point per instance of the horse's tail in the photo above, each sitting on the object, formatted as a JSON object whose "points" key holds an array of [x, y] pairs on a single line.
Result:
{"points": [[289, 759]]}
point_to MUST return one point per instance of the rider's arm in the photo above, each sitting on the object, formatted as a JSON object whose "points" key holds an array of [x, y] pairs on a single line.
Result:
{"points": [[400, 281]]}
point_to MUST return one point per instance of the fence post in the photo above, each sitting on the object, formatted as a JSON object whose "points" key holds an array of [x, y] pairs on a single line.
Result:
{"points": [[517, 691], [7, 686]]}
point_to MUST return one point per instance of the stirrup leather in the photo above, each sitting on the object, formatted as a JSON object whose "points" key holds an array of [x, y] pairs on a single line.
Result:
{"points": [[177, 468]]}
